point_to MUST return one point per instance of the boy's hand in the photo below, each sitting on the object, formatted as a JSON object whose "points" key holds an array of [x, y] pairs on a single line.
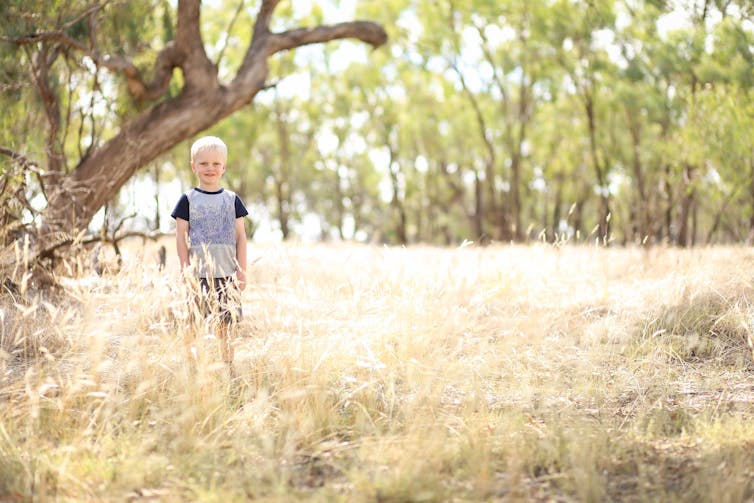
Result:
{"points": [[241, 280]]}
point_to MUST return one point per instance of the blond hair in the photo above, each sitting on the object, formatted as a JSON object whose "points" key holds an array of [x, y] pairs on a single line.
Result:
{"points": [[209, 143]]}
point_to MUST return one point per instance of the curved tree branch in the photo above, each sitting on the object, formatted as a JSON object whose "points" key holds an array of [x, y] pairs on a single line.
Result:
{"points": [[198, 70], [256, 47], [228, 31], [40, 66], [262, 25], [366, 31], [18, 157], [167, 59]]}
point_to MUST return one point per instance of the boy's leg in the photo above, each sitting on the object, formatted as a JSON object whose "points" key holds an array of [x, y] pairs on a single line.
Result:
{"points": [[198, 308], [189, 342], [224, 334], [229, 304]]}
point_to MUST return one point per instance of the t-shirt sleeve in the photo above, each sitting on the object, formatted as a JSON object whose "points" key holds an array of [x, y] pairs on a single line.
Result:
{"points": [[241, 210], [181, 209]]}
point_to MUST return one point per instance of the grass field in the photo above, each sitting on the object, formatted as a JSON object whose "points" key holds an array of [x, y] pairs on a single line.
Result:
{"points": [[538, 373]]}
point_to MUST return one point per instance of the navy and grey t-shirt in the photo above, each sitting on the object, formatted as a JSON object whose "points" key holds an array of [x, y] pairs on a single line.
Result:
{"points": [[212, 229]]}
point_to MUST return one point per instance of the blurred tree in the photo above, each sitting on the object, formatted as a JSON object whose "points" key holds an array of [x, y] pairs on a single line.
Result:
{"points": [[109, 45]]}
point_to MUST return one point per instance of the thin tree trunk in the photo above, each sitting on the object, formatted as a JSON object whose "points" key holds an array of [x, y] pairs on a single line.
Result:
{"points": [[687, 203], [338, 200], [557, 207], [157, 212], [750, 237], [479, 210], [494, 207], [282, 208], [282, 177], [578, 218], [599, 170], [719, 215], [641, 223], [396, 201], [669, 203], [510, 222]]}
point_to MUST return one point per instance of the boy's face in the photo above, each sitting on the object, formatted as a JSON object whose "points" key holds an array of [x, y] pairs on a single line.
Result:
{"points": [[209, 166]]}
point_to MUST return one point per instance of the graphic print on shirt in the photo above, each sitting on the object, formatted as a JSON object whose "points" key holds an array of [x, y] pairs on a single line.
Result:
{"points": [[212, 236], [212, 223]]}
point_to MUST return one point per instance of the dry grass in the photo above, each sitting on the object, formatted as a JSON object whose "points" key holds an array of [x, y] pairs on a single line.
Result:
{"points": [[390, 374]]}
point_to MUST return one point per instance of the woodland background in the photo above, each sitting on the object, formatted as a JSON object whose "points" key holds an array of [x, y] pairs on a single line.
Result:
{"points": [[623, 121]]}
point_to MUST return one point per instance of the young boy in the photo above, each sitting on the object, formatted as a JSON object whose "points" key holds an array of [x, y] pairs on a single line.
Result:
{"points": [[211, 239]]}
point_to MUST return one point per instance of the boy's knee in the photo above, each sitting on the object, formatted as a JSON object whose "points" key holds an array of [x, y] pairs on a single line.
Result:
{"points": [[223, 330]]}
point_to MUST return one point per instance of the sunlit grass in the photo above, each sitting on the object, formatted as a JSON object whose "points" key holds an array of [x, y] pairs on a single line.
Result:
{"points": [[391, 374]]}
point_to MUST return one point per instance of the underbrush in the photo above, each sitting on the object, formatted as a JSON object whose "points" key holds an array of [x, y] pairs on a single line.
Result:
{"points": [[707, 325]]}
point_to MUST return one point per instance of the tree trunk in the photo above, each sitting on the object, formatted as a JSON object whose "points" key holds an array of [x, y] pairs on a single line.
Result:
{"points": [[481, 235], [458, 198], [687, 205], [157, 221], [750, 237], [641, 221], [599, 171], [283, 207], [516, 230], [578, 218], [509, 222], [518, 146], [400, 210], [338, 201], [728, 198], [282, 177], [495, 209], [557, 207], [669, 203], [396, 202]]}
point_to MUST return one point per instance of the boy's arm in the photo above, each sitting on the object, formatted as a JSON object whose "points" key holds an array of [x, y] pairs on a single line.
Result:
{"points": [[241, 253], [181, 241]]}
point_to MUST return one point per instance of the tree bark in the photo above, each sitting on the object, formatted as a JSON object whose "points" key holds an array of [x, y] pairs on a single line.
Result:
{"points": [[556, 207], [282, 177], [479, 210], [641, 222], [340, 210], [684, 237], [396, 202], [599, 170], [493, 205], [750, 236], [513, 142], [202, 102], [669, 203]]}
